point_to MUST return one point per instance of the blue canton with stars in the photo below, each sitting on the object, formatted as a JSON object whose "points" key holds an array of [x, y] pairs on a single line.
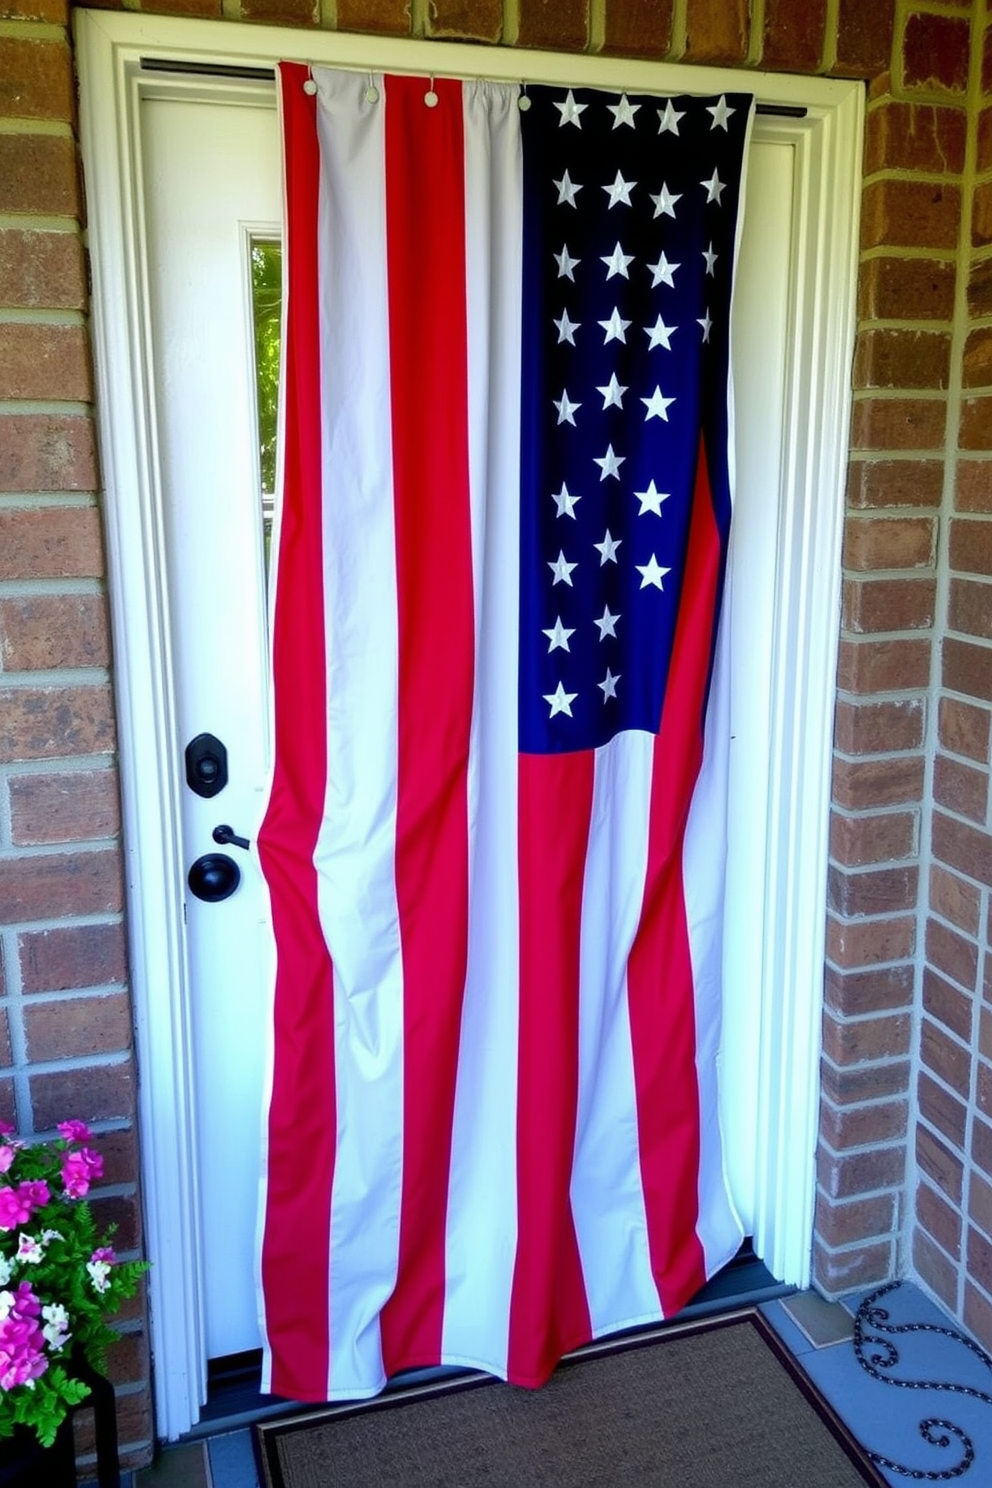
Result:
{"points": [[630, 222]]}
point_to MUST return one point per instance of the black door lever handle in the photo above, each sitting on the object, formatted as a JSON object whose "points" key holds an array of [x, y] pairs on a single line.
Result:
{"points": [[229, 837]]}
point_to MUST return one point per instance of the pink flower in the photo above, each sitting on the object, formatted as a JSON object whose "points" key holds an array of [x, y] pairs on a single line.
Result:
{"points": [[74, 1131], [6, 1130], [22, 1342], [15, 1208], [6, 1157], [78, 1171], [104, 1253]]}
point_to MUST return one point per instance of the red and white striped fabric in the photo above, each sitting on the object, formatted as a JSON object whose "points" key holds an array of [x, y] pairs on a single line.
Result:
{"points": [[493, 1129]]}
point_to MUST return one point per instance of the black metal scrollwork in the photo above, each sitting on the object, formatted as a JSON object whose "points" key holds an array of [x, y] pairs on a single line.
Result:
{"points": [[876, 1354]]}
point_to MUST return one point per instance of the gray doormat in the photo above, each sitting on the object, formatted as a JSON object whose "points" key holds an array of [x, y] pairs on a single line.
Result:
{"points": [[716, 1404]]}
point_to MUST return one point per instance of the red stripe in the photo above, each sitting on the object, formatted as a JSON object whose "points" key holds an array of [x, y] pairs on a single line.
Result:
{"points": [[425, 216], [302, 1120], [659, 971], [549, 1313]]}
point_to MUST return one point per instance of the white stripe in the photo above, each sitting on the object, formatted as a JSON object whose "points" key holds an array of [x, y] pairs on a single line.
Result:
{"points": [[355, 850], [607, 1192], [704, 856], [482, 1198]]}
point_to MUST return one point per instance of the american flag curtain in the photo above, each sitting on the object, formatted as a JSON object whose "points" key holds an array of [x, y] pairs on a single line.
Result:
{"points": [[494, 843]]}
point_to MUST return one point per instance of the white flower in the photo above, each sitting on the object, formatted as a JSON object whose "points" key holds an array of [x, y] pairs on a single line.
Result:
{"points": [[6, 1270], [29, 1249], [99, 1273], [47, 1236], [6, 1304], [56, 1327]]}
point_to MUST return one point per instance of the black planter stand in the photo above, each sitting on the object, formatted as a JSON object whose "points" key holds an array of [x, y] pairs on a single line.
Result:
{"points": [[25, 1463]]}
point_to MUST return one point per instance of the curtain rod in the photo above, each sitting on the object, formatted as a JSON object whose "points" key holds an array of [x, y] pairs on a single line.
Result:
{"points": [[267, 75]]}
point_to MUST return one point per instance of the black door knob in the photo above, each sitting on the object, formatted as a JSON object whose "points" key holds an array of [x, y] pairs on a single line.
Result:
{"points": [[213, 877]]}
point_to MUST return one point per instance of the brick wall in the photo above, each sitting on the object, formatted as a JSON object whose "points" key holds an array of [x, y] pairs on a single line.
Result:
{"points": [[908, 884]]}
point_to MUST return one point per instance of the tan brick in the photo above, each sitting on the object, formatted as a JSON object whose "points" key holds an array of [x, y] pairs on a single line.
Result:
{"points": [[973, 485], [102, 1092], [874, 605], [38, 174], [846, 1127], [883, 666], [560, 25], [908, 289], [870, 942], [379, 17], [866, 1039], [858, 841], [864, 1082], [46, 722], [468, 20], [864, 38], [864, 783], [955, 900], [910, 214], [946, 1004], [884, 891], [941, 1222], [44, 631], [35, 79], [936, 49], [74, 806], [898, 423], [50, 543], [875, 728], [44, 361], [942, 1109], [943, 1166], [638, 28], [975, 426], [60, 885], [72, 956], [892, 358], [76, 1027], [964, 729], [967, 668], [952, 954], [41, 270], [937, 1270], [794, 35], [872, 543], [872, 484], [970, 609], [915, 136], [860, 1219]]}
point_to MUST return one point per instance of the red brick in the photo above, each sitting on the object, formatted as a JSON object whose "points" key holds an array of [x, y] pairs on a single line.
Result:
{"points": [[74, 806], [35, 79], [864, 38], [205, 9], [857, 841], [468, 20], [915, 136], [981, 215], [72, 956], [885, 891], [984, 159], [980, 288], [63, 630], [952, 954], [946, 1004], [961, 788], [908, 289], [38, 174], [46, 722], [842, 1271], [955, 900], [872, 484], [41, 270], [842, 1176], [979, 1259], [898, 423], [936, 49], [943, 1166], [977, 1314], [976, 361], [872, 543], [846, 1127], [981, 1145], [861, 1219], [970, 609], [946, 1058], [967, 668], [875, 728], [883, 666], [50, 543], [794, 35], [56, 12], [59, 885], [942, 1109], [47, 452], [876, 991], [910, 214], [985, 1032], [281, 12], [874, 605], [890, 358], [44, 361], [964, 729], [938, 1272], [983, 1088], [973, 486], [939, 1219], [870, 942], [119, 1150], [864, 783], [127, 1359], [975, 426], [980, 1202], [102, 1092], [77, 1027], [866, 1039], [848, 1086], [638, 28], [559, 25], [379, 17]]}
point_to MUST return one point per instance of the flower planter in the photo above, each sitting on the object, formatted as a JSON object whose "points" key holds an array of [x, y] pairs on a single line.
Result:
{"points": [[25, 1463]]}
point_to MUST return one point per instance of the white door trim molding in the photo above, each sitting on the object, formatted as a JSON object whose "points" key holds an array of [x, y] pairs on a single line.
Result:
{"points": [[788, 869]]}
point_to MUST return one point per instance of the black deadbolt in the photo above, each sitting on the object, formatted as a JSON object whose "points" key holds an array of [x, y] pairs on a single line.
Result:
{"points": [[213, 877], [206, 765]]}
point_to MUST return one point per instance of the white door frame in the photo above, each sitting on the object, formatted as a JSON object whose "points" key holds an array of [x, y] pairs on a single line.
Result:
{"points": [[787, 916]]}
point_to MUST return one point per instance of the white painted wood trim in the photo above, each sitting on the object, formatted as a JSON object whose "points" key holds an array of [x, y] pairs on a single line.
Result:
{"points": [[109, 50]]}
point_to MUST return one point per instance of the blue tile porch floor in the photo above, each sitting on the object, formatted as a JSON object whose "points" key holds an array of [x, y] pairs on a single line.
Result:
{"points": [[885, 1418]]}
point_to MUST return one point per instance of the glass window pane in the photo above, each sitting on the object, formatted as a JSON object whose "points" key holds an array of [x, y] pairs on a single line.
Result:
{"points": [[266, 294]]}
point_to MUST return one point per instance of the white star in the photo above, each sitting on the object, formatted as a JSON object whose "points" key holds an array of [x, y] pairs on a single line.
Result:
{"points": [[562, 569], [607, 549], [567, 191], [570, 111], [652, 574], [714, 186], [660, 335], [558, 636], [706, 324], [565, 409], [669, 119], [711, 259], [614, 327], [657, 406], [721, 113], [609, 684], [565, 263], [612, 393], [664, 202], [564, 502], [566, 327], [616, 262], [607, 624], [623, 112], [619, 191], [610, 464], [560, 700], [651, 499], [663, 272]]}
